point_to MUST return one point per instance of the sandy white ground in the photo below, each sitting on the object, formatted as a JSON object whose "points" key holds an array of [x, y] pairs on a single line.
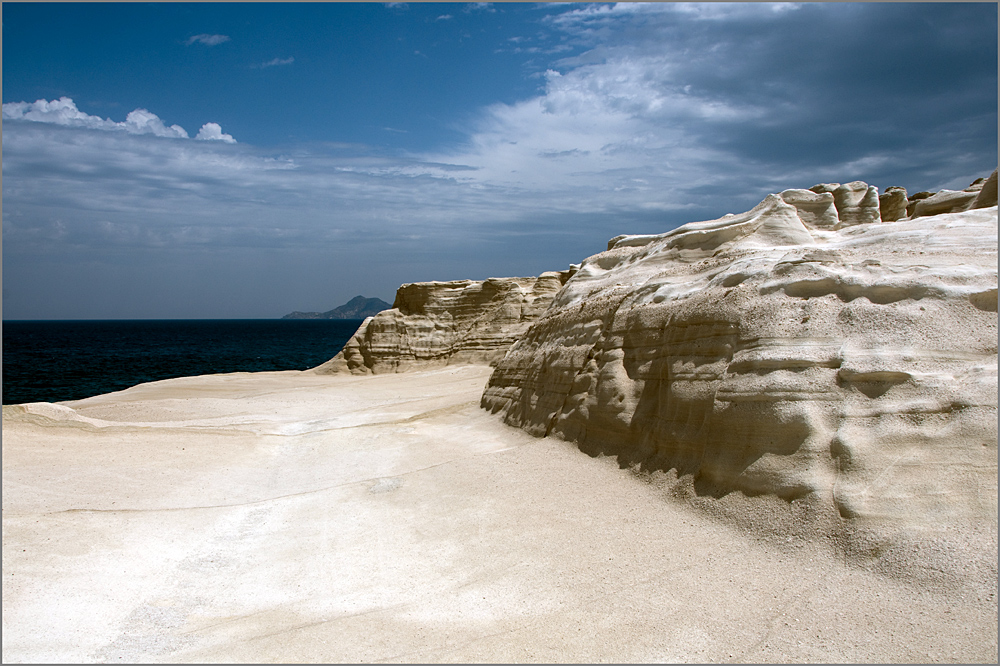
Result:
{"points": [[295, 517]]}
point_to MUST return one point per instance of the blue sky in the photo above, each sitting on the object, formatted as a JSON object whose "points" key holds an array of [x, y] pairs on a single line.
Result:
{"points": [[196, 160]]}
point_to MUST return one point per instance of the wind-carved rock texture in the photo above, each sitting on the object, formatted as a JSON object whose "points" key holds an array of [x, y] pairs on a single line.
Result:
{"points": [[892, 204], [856, 202], [804, 349], [442, 323]]}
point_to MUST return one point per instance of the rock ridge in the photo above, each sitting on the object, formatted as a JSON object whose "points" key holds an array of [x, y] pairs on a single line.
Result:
{"points": [[807, 349], [445, 323]]}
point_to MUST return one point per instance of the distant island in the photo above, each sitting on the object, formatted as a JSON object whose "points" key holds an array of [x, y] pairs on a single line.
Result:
{"points": [[358, 307]]}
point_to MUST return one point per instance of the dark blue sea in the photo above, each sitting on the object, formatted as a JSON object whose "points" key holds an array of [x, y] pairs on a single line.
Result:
{"points": [[51, 361]]}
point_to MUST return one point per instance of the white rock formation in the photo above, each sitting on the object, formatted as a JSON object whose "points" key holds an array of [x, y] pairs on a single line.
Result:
{"points": [[987, 193], [848, 366], [945, 201], [442, 323], [980, 194], [856, 202], [817, 209], [892, 204]]}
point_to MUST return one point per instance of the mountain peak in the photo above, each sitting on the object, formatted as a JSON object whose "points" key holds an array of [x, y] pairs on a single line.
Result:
{"points": [[358, 307]]}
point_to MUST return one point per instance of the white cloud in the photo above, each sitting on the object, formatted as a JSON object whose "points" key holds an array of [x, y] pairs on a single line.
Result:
{"points": [[594, 15], [63, 111], [142, 121], [213, 132], [278, 61], [594, 130], [687, 97], [207, 40], [60, 111]]}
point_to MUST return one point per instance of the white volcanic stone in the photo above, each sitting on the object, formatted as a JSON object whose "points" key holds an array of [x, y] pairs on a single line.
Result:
{"points": [[444, 323], [892, 204], [815, 209], [945, 201], [987, 193], [850, 372], [292, 517], [980, 194], [856, 202]]}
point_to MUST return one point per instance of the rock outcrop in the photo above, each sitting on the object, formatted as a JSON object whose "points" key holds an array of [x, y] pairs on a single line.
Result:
{"points": [[987, 193], [892, 204], [980, 194], [804, 349], [442, 323], [856, 202]]}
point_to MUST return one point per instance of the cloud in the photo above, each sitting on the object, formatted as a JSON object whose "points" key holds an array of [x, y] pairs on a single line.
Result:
{"points": [[207, 40], [278, 61], [60, 111], [142, 121], [63, 111], [664, 115], [213, 132], [443, 17], [745, 98], [661, 114]]}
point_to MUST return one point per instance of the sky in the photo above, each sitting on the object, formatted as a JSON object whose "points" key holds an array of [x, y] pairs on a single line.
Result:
{"points": [[246, 160]]}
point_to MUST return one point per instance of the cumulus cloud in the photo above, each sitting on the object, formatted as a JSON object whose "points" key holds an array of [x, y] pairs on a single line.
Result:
{"points": [[213, 132], [142, 121], [63, 111], [207, 40], [60, 111]]}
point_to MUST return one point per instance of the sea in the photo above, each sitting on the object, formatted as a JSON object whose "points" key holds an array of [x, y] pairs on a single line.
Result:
{"points": [[52, 361]]}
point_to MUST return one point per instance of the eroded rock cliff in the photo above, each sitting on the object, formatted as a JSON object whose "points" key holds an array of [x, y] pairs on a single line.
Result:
{"points": [[804, 349], [441, 323]]}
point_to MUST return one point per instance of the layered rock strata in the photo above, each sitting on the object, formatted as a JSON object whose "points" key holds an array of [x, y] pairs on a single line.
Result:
{"points": [[804, 349], [441, 323]]}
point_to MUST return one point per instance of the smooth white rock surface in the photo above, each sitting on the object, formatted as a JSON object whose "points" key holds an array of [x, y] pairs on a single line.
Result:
{"points": [[291, 517]]}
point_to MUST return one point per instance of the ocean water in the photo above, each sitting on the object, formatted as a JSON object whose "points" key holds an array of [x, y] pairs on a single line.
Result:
{"points": [[51, 361]]}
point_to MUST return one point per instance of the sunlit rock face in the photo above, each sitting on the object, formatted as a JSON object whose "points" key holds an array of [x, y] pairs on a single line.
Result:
{"points": [[803, 349], [442, 323]]}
